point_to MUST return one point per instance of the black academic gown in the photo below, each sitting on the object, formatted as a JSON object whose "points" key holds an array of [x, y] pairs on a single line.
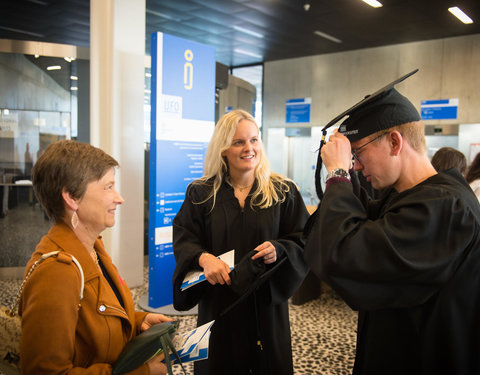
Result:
{"points": [[255, 335], [410, 264]]}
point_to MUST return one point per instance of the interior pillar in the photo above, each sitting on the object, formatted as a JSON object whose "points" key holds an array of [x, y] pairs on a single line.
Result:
{"points": [[117, 55]]}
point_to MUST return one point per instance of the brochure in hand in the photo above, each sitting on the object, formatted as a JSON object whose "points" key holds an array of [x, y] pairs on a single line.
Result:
{"points": [[194, 277], [193, 345]]}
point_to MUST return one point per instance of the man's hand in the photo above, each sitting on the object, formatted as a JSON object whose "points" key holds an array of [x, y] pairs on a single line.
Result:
{"points": [[337, 152]]}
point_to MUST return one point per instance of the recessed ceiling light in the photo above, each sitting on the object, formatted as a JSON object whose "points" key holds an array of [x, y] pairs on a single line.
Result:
{"points": [[457, 12], [247, 53], [326, 36], [74, 78], [249, 32], [54, 67], [74, 88], [373, 3]]}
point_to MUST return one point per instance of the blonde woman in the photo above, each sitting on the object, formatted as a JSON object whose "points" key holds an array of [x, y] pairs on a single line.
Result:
{"points": [[241, 204]]}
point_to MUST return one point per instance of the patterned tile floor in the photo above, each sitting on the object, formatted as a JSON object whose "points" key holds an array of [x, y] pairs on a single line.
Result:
{"points": [[323, 331]]}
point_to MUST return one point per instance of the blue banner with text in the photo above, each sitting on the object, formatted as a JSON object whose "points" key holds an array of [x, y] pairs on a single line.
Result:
{"points": [[182, 122]]}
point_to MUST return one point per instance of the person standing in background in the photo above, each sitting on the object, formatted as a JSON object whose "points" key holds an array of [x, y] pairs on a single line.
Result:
{"points": [[448, 157], [473, 175]]}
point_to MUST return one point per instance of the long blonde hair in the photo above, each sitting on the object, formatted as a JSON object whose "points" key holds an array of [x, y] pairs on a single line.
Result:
{"points": [[271, 187]]}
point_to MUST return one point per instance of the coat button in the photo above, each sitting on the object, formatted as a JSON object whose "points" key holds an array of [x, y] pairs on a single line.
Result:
{"points": [[102, 308]]}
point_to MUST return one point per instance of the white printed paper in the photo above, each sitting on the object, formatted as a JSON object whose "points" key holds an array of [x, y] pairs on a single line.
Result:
{"points": [[194, 277]]}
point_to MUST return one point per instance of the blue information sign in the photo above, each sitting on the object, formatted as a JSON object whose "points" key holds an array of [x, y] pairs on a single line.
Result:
{"points": [[182, 118], [443, 109], [297, 110]]}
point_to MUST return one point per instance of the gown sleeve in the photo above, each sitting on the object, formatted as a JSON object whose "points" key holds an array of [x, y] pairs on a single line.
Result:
{"points": [[288, 278], [188, 243], [397, 257]]}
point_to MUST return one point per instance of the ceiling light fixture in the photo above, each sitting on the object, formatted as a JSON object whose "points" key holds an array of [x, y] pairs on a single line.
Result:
{"points": [[163, 15], [54, 67], [249, 32], [326, 36], [306, 6], [38, 2], [73, 88], [460, 14], [247, 53], [22, 31], [74, 78], [373, 3]]}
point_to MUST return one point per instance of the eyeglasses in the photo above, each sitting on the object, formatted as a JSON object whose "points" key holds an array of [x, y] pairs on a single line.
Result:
{"points": [[355, 150]]}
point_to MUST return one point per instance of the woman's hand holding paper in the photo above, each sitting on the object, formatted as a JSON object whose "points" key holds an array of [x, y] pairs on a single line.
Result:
{"points": [[216, 270]]}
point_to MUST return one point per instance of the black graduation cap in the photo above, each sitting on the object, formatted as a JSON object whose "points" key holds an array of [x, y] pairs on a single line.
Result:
{"points": [[146, 345], [383, 109], [255, 277]]}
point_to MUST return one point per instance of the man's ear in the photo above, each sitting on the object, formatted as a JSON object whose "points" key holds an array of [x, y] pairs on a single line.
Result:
{"points": [[396, 142], [71, 202]]}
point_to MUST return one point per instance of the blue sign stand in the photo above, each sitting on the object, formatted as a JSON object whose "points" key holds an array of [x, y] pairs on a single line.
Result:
{"points": [[182, 122]]}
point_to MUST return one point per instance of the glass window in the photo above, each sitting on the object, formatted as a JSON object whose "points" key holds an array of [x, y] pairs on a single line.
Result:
{"points": [[35, 111], [253, 75]]}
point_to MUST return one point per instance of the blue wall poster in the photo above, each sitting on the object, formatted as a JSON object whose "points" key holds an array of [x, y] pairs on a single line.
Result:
{"points": [[443, 109], [297, 110], [182, 123]]}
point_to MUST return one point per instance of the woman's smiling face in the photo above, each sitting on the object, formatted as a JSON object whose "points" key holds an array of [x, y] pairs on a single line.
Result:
{"points": [[96, 209], [243, 154]]}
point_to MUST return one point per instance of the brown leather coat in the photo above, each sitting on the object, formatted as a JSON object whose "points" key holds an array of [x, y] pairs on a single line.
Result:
{"points": [[58, 336]]}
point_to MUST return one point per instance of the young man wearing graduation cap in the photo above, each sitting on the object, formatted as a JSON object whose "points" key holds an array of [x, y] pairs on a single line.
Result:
{"points": [[408, 262]]}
